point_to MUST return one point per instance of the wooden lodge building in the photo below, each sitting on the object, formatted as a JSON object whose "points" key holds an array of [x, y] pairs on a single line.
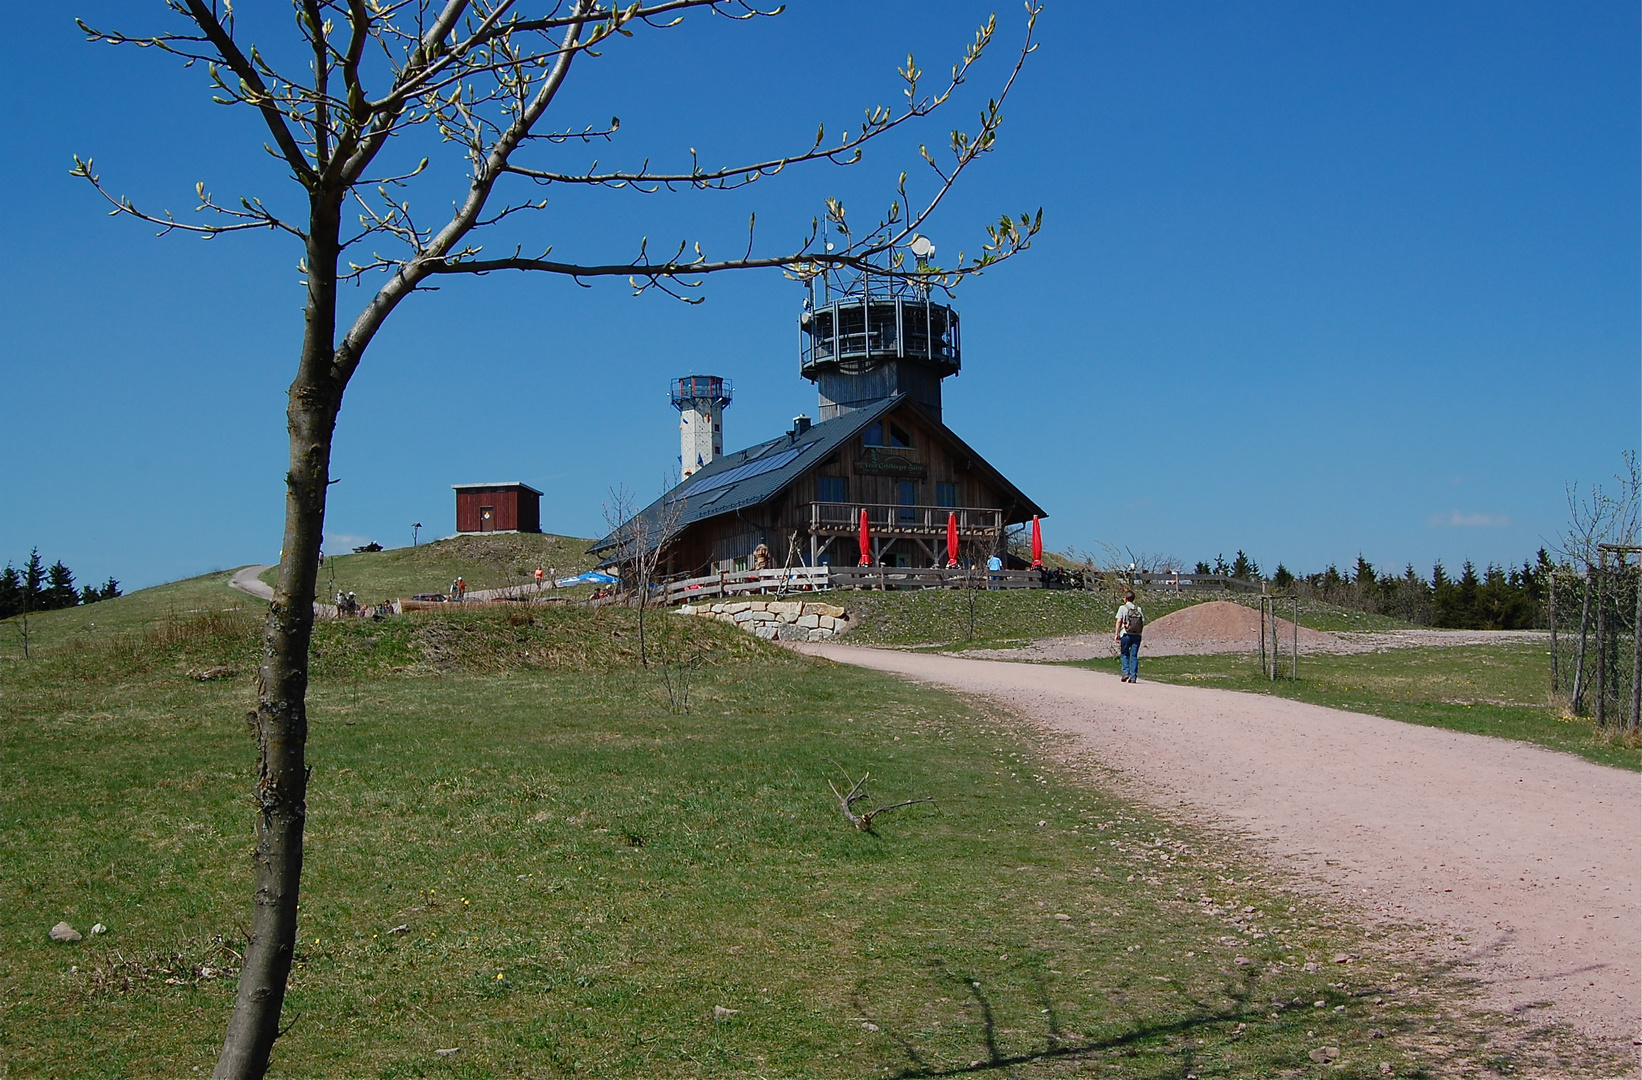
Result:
{"points": [[878, 361]]}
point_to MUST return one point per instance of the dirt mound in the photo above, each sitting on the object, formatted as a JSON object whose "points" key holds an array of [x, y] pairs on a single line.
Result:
{"points": [[1221, 626]]}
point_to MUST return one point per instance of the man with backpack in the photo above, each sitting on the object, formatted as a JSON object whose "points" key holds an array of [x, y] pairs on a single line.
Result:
{"points": [[1130, 621]]}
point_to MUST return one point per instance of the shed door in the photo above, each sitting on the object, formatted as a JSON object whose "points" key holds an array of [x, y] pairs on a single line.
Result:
{"points": [[487, 519]]}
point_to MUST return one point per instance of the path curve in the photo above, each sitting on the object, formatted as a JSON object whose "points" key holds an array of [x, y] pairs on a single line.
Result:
{"points": [[1536, 853], [248, 579]]}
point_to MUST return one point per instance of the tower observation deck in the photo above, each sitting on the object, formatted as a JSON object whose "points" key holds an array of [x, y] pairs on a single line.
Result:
{"points": [[700, 400], [873, 339]]}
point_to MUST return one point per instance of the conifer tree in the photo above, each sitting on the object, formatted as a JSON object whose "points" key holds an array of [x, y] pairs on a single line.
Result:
{"points": [[60, 590], [11, 592]]}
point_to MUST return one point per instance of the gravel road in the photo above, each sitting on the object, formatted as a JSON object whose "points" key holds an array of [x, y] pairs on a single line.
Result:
{"points": [[1534, 857]]}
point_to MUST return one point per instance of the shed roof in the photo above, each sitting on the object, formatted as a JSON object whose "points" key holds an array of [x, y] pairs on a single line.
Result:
{"points": [[497, 485]]}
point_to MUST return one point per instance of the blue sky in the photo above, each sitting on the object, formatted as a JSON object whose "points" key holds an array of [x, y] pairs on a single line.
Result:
{"points": [[1314, 280]]}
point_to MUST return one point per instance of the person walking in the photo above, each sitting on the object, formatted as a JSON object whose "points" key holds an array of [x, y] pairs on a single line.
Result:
{"points": [[1130, 622]]}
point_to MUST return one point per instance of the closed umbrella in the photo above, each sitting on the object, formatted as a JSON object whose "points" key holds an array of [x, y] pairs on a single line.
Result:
{"points": [[866, 541], [1037, 544], [951, 539]]}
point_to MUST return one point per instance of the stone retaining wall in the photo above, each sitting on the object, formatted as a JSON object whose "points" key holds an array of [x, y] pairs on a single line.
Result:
{"points": [[777, 620]]}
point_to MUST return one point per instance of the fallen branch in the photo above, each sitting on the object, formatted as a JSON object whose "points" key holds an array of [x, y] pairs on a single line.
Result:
{"points": [[857, 792]]}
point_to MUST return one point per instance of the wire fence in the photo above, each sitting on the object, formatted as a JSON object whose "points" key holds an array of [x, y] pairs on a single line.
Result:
{"points": [[1595, 666]]}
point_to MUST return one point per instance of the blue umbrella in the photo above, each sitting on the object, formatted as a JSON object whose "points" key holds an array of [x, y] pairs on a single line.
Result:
{"points": [[591, 577]]}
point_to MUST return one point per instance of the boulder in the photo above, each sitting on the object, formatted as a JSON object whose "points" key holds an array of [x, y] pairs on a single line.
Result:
{"points": [[809, 622], [64, 932]]}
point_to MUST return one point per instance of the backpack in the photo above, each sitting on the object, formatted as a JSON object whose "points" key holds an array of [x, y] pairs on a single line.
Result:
{"points": [[1134, 622]]}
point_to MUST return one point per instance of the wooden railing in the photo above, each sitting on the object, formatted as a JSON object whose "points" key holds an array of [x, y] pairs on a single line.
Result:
{"points": [[888, 519], [820, 578]]}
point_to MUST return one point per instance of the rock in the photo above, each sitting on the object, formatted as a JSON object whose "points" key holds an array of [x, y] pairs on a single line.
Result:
{"points": [[767, 631], [742, 616], [1385, 1068], [211, 673], [809, 622], [1063, 917], [448, 1052], [868, 1025], [1344, 958], [721, 1013], [99, 928], [733, 609], [1242, 961], [64, 932], [832, 611], [402, 928], [1311, 966], [786, 607], [1324, 1054], [687, 609]]}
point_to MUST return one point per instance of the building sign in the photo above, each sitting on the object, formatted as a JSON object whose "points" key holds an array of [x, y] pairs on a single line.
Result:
{"points": [[877, 461]]}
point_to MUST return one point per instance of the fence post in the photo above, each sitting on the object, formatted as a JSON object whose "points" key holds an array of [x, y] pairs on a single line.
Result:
{"points": [[1635, 719], [1601, 644]]}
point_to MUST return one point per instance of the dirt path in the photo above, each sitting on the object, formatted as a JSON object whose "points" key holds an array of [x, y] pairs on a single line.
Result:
{"points": [[1534, 857], [249, 580]]}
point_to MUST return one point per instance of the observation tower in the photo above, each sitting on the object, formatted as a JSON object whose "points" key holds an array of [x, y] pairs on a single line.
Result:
{"points": [[700, 400], [866, 338]]}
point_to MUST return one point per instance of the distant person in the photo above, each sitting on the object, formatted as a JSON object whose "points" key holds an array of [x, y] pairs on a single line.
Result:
{"points": [[994, 569], [539, 576], [461, 589], [453, 586], [1130, 622]]}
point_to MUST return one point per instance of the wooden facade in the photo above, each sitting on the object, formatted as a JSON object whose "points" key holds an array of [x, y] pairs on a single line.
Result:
{"points": [[906, 469], [502, 507]]}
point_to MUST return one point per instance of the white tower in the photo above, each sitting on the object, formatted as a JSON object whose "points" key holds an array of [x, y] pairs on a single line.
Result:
{"points": [[700, 400]]}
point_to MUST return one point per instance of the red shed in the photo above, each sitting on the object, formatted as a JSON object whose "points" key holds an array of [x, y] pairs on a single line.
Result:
{"points": [[504, 507]]}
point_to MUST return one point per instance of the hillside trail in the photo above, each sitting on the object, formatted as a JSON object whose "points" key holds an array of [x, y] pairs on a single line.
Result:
{"points": [[1531, 857]]}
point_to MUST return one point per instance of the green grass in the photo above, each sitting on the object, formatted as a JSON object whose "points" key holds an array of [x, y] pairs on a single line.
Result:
{"points": [[484, 562], [582, 873], [108, 621], [937, 617], [1496, 689]]}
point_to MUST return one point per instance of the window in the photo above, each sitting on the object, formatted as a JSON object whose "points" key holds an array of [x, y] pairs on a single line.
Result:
{"points": [[906, 492], [741, 564], [898, 436], [874, 435], [946, 494], [832, 489]]}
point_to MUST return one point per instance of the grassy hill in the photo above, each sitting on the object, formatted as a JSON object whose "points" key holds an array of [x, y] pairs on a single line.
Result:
{"points": [[523, 845], [489, 561]]}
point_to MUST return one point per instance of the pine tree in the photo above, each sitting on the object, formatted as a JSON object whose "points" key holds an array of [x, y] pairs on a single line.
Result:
{"points": [[110, 589], [1244, 568], [1281, 577], [60, 590], [11, 592], [34, 578]]}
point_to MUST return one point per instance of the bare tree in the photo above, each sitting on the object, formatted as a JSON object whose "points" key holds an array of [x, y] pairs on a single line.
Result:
{"points": [[349, 98], [641, 540], [1596, 517]]}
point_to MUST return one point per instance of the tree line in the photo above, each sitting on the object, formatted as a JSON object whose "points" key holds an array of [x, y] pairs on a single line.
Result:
{"points": [[38, 587], [1494, 598]]}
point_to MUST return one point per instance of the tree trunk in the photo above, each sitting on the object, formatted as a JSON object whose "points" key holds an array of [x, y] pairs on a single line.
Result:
{"points": [[281, 717], [1577, 698], [1601, 648]]}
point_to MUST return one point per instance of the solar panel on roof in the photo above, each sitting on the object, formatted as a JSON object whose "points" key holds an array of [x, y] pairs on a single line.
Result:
{"points": [[742, 472]]}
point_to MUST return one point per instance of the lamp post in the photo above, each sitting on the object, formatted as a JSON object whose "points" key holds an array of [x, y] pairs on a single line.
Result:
{"points": [[415, 526]]}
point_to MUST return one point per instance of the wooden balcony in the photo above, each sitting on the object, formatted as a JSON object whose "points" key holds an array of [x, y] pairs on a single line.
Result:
{"points": [[890, 520]]}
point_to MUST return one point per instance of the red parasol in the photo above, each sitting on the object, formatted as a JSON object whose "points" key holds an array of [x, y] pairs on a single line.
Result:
{"points": [[951, 539], [1037, 544], [866, 541]]}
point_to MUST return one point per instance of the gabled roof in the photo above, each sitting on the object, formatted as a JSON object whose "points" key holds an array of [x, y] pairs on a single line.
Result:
{"points": [[757, 474]]}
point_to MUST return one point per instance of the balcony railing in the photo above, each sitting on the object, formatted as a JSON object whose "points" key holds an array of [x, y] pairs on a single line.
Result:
{"points": [[889, 519]]}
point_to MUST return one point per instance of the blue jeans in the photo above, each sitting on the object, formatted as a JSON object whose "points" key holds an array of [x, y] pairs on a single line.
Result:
{"points": [[1129, 649]]}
